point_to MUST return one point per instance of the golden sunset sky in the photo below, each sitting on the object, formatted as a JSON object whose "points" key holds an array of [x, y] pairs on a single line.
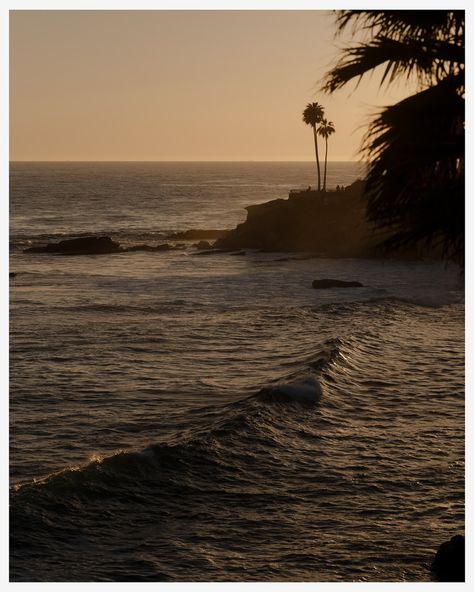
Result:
{"points": [[178, 85]]}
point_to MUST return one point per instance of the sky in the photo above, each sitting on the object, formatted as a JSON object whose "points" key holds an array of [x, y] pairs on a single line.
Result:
{"points": [[179, 85]]}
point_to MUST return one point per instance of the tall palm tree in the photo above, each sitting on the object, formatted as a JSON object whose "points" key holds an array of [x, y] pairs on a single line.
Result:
{"points": [[325, 130], [312, 115], [415, 148]]}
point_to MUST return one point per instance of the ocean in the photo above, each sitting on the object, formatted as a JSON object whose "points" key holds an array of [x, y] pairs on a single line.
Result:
{"points": [[176, 417]]}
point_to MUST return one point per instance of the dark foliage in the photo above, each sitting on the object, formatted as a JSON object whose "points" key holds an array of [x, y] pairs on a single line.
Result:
{"points": [[415, 148]]}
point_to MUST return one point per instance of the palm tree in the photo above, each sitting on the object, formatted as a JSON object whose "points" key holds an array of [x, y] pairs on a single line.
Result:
{"points": [[415, 148], [312, 115], [325, 130]]}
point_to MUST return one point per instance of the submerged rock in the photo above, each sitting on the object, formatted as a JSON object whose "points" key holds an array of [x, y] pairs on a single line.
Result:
{"points": [[328, 283], [88, 245], [449, 561]]}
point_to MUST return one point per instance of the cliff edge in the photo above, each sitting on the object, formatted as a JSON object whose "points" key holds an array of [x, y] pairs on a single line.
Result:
{"points": [[328, 224]]}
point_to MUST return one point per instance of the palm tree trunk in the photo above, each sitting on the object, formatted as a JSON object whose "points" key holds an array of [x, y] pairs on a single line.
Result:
{"points": [[317, 157], [325, 164]]}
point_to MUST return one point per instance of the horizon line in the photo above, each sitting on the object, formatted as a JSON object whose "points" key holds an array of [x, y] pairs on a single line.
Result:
{"points": [[179, 161]]}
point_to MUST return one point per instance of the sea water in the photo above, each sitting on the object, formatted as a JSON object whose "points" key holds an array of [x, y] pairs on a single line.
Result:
{"points": [[176, 417]]}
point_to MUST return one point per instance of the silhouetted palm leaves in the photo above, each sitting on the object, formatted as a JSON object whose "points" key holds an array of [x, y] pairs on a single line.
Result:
{"points": [[415, 182], [325, 130], [312, 115]]}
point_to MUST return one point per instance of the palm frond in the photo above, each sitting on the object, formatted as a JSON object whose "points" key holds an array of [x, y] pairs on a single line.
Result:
{"points": [[404, 24], [400, 59], [415, 148], [326, 128], [415, 182], [313, 114]]}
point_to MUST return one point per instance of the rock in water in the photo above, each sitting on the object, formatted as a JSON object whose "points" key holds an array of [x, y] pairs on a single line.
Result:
{"points": [[328, 283], [449, 562], [88, 245], [151, 248]]}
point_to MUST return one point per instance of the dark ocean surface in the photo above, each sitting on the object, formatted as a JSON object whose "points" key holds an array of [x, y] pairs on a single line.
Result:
{"points": [[184, 418]]}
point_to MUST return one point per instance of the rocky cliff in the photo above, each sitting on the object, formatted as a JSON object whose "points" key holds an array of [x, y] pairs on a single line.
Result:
{"points": [[328, 224]]}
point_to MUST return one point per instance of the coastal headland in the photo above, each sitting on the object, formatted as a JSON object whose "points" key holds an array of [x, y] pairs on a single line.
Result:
{"points": [[327, 224]]}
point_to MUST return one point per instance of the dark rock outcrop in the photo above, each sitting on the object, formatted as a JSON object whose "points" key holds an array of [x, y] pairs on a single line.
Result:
{"points": [[449, 562], [151, 248], [12, 274], [88, 245], [328, 283], [93, 245], [326, 224]]}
